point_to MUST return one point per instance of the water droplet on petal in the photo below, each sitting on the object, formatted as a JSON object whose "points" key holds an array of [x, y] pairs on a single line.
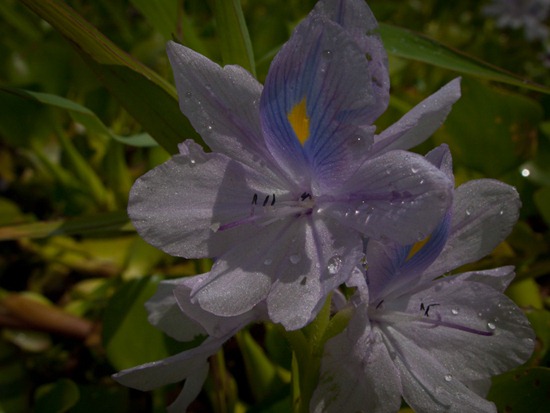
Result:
{"points": [[295, 258], [468, 213], [327, 54], [414, 170], [454, 311], [491, 326], [334, 264], [501, 212], [268, 261], [188, 95], [448, 377], [192, 162]]}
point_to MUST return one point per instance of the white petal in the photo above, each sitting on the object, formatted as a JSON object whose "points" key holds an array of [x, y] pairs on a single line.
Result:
{"points": [[484, 213], [421, 121], [179, 205], [166, 315], [357, 374]]}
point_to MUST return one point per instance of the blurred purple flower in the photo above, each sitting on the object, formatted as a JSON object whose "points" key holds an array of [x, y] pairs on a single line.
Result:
{"points": [[434, 340], [296, 177], [516, 14]]}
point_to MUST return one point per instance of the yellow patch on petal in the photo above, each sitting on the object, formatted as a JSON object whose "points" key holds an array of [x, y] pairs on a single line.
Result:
{"points": [[417, 246], [299, 121]]}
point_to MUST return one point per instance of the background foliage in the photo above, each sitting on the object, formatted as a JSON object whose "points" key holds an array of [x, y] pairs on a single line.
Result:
{"points": [[87, 104]]}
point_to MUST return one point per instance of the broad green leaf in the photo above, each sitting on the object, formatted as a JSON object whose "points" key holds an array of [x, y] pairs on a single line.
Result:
{"points": [[489, 121], [98, 398], [58, 397], [233, 34], [523, 390], [128, 338], [149, 98], [404, 43], [80, 114], [107, 223]]}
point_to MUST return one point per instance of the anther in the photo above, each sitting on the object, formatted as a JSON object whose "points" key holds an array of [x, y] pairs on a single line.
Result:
{"points": [[305, 195], [266, 200], [255, 199], [273, 202], [426, 309]]}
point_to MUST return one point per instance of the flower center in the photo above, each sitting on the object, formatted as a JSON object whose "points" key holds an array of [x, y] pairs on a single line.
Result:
{"points": [[267, 209]]}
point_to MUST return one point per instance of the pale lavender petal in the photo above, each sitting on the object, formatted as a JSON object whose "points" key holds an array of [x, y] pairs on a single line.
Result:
{"points": [[330, 253], [427, 385], [355, 17], [214, 325], [222, 105], [191, 389], [420, 122], [169, 370], [398, 195], [357, 373], [492, 333], [165, 314], [339, 100], [441, 157], [484, 213], [497, 278], [293, 265], [179, 205]]}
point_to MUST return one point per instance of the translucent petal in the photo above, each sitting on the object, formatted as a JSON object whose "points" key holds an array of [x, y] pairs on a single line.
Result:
{"points": [[484, 213], [292, 264], [420, 122], [355, 17], [357, 373], [327, 257], [179, 205], [336, 102], [222, 105], [169, 370], [166, 315], [398, 195], [492, 333]]}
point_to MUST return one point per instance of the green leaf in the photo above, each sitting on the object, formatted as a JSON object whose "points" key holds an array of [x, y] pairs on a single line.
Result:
{"points": [[233, 34], [58, 397], [489, 121], [128, 338], [523, 390], [107, 223], [261, 372], [80, 114], [149, 98], [404, 43]]}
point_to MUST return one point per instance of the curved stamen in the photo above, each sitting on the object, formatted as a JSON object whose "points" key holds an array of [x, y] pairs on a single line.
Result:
{"points": [[272, 211]]}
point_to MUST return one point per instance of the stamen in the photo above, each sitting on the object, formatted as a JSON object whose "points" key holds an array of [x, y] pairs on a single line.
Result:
{"points": [[255, 199], [440, 322], [273, 202], [265, 200]]}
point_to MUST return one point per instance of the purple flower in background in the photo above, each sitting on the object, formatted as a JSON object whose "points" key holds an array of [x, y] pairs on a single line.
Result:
{"points": [[171, 310], [296, 177], [434, 340], [516, 14]]}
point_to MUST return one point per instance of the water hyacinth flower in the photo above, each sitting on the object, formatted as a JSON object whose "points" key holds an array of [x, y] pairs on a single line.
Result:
{"points": [[431, 339], [296, 177], [171, 311], [516, 14]]}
